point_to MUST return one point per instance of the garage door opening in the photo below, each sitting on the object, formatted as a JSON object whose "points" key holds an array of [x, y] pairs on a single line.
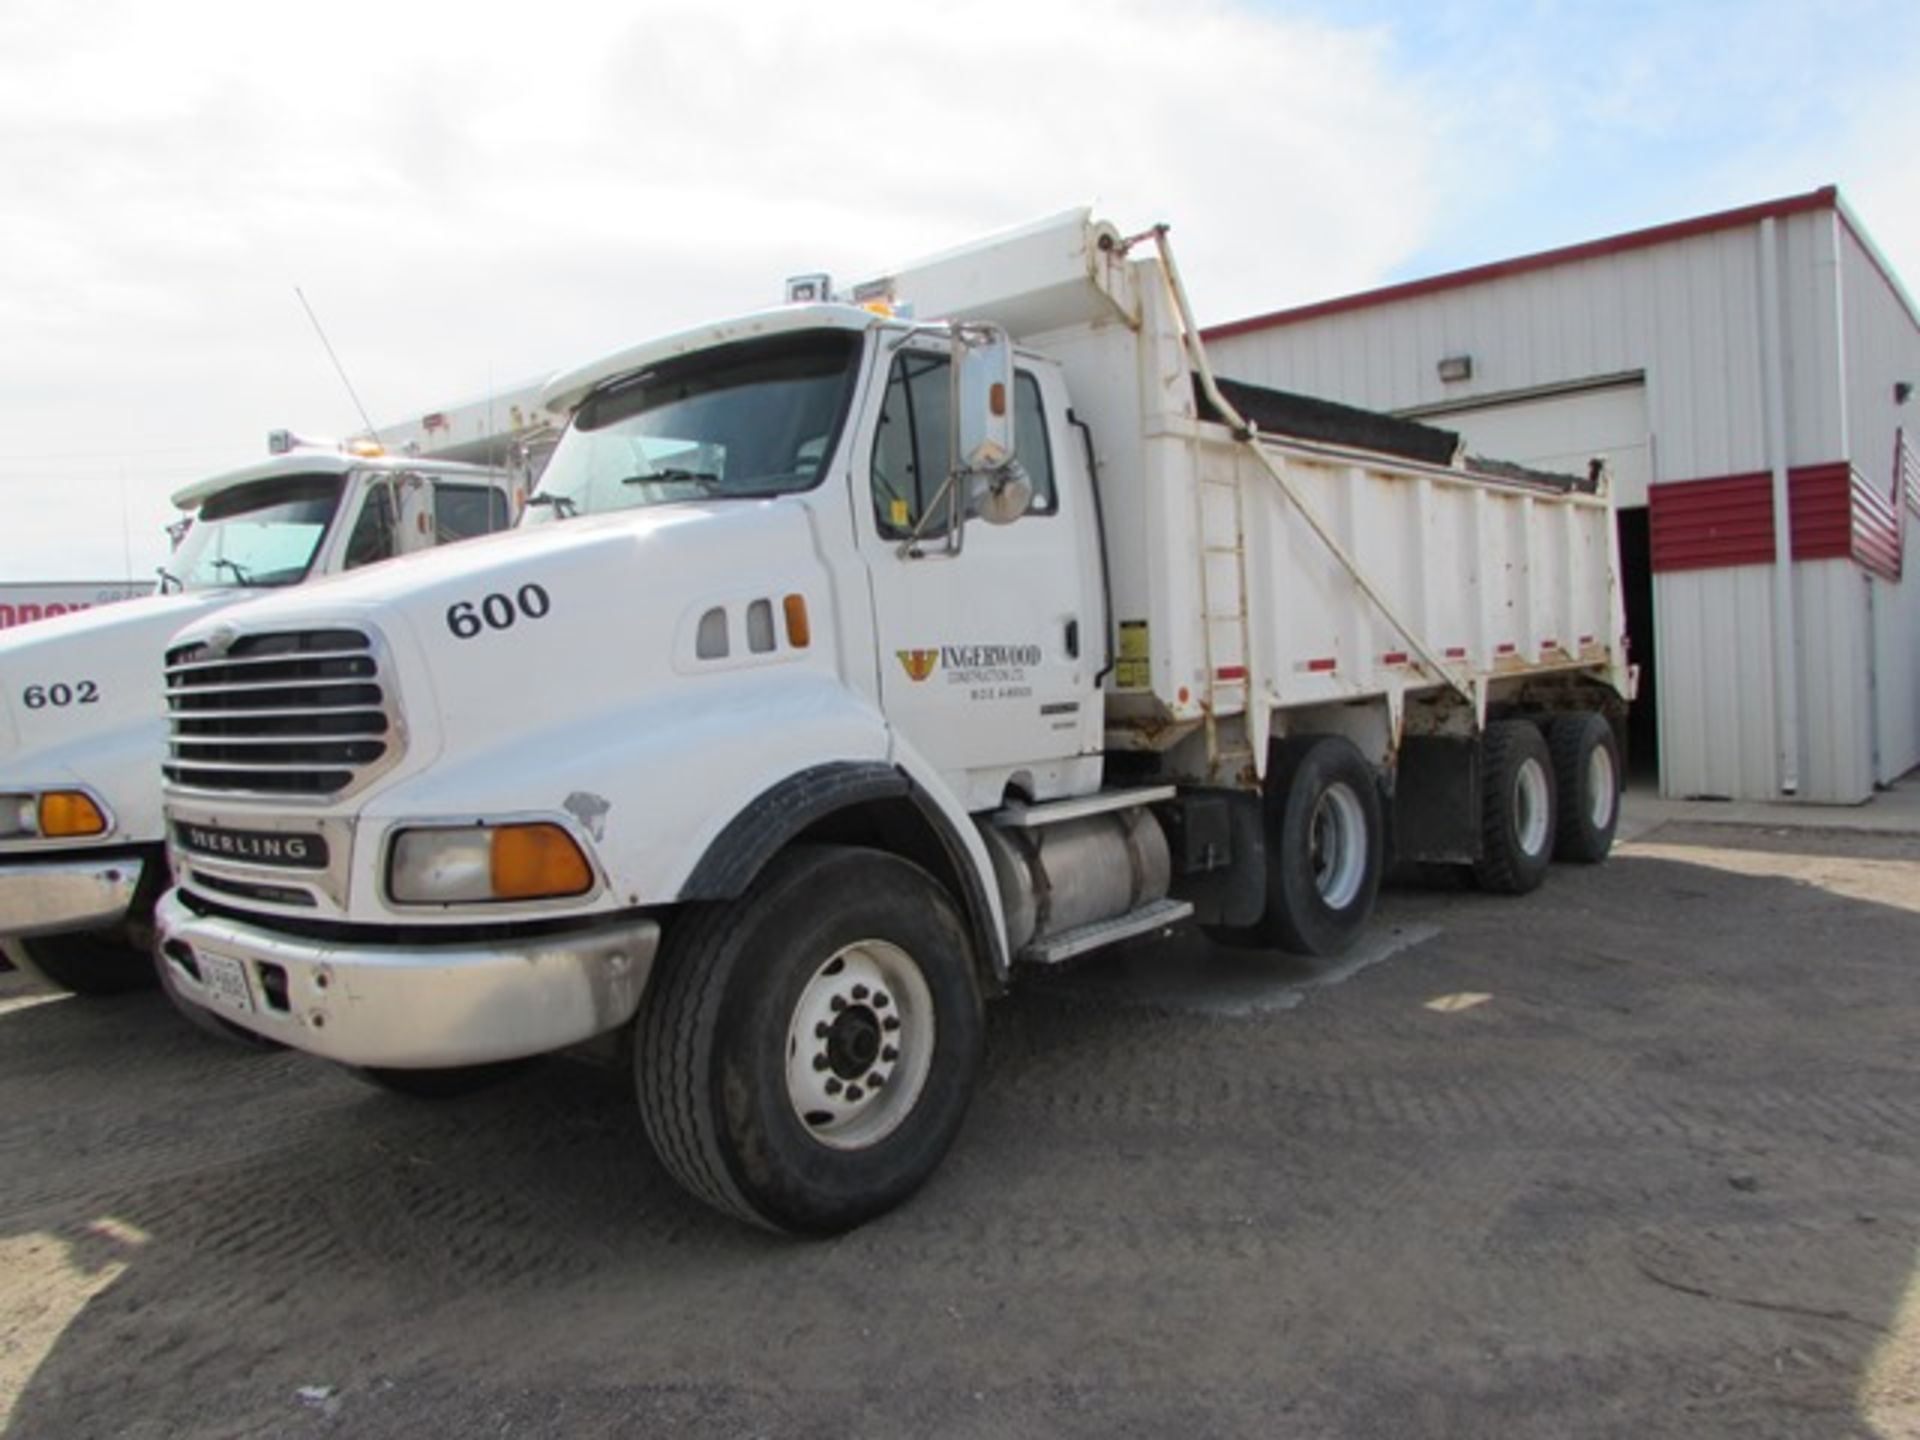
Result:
{"points": [[1636, 583]]}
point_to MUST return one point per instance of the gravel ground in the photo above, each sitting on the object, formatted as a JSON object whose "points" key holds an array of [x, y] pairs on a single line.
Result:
{"points": [[1634, 1156]]}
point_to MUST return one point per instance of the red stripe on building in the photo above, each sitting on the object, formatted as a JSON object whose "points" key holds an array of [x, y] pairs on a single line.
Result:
{"points": [[1710, 524], [1836, 514], [1876, 529], [1819, 498]]}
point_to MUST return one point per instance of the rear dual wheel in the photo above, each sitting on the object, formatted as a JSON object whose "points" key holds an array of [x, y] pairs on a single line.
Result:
{"points": [[1586, 768], [1517, 808]]}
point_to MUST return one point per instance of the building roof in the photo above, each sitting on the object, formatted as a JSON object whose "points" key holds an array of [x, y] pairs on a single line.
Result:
{"points": [[1825, 198]]}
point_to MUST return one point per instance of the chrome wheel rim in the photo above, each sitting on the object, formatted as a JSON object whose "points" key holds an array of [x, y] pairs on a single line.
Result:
{"points": [[1603, 787], [1337, 846], [1531, 807], [859, 1045]]}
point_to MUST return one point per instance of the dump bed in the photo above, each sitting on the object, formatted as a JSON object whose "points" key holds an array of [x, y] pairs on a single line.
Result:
{"points": [[1253, 573]]}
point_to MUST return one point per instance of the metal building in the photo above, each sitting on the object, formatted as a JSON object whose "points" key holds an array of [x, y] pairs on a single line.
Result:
{"points": [[1731, 368]]}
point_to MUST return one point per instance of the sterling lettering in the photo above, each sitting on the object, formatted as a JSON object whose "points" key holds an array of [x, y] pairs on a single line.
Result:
{"points": [[303, 852]]}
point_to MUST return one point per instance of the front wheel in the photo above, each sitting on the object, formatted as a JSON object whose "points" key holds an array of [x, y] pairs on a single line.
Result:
{"points": [[805, 1055], [90, 962]]}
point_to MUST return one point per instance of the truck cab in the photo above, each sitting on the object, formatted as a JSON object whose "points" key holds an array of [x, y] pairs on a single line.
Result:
{"points": [[82, 720]]}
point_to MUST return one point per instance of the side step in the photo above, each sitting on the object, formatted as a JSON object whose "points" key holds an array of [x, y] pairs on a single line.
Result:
{"points": [[1052, 949], [1053, 812]]}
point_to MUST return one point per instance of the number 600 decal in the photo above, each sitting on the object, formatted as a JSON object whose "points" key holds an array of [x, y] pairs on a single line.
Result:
{"points": [[467, 618]]}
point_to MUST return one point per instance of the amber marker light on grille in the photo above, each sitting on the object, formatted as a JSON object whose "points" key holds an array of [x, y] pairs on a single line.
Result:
{"points": [[533, 861], [799, 628], [68, 813]]}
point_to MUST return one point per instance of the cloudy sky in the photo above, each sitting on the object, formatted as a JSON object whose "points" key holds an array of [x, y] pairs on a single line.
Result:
{"points": [[473, 195]]}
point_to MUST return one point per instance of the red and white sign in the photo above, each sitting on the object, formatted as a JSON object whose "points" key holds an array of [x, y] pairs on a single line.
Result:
{"points": [[21, 604]]}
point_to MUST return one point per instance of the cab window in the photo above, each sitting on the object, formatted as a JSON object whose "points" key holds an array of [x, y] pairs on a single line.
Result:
{"points": [[461, 512], [912, 446], [373, 536]]}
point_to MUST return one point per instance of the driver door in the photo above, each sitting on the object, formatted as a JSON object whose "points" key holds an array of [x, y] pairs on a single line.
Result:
{"points": [[987, 653]]}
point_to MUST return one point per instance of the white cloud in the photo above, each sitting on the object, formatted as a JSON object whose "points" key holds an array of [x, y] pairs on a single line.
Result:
{"points": [[469, 196]]}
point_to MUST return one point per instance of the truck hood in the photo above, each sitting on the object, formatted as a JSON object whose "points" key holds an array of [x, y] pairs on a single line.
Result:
{"points": [[526, 636], [90, 671]]}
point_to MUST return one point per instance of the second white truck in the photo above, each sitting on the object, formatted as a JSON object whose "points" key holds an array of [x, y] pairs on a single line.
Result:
{"points": [[83, 719], [855, 660]]}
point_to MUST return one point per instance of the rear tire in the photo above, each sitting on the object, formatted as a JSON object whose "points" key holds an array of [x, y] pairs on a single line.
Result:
{"points": [[805, 1055], [1326, 845], [1516, 808], [89, 962], [1586, 770]]}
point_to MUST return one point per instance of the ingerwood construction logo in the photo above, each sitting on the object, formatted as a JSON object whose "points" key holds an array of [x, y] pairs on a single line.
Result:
{"points": [[967, 663], [918, 663]]}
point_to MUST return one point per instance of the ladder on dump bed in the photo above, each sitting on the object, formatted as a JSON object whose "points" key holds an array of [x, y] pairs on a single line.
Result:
{"points": [[1227, 682]]}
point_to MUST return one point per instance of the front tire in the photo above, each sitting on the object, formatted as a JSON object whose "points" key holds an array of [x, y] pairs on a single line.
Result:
{"points": [[805, 1055], [1516, 808], [90, 962]]}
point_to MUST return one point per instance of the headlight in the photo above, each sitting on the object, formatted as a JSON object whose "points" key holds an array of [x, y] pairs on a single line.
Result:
{"points": [[476, 864], [52, 814]]}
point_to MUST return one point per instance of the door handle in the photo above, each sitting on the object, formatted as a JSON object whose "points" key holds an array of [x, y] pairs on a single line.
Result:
{"points": [[1073, 639]]}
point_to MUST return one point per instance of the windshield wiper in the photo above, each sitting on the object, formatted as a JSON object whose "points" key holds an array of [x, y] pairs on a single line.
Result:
{"points": [[240, 574], [563, 506], [705, 479], [168, 580]]}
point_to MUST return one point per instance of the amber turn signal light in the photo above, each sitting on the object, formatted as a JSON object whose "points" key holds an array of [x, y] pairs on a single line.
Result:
{"points": [[68, 813], [532, 861]]}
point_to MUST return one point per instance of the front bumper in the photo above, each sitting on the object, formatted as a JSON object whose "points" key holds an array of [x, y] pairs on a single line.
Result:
{"points": [[49, 897], [420, 1006]]}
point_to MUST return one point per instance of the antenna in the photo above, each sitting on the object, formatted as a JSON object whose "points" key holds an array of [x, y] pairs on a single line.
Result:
{"points": [[340, 369]]}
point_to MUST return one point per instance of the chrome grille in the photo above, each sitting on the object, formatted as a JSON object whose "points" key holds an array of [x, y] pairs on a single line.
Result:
{"points": [[297, 712]]}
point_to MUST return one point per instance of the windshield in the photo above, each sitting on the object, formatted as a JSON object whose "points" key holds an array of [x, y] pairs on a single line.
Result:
{"points": [[753, 419], [265, 533]]}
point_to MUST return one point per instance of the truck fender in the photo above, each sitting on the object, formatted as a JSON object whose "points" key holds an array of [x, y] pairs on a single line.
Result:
{"points": [[812, 800]]}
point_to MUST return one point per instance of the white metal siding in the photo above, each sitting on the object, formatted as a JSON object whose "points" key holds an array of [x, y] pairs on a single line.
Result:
{"points": [[1883, 346], [1714, 635], [1830, 601]]}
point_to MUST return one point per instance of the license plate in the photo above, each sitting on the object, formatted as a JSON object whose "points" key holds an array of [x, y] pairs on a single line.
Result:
{"points": [[226, 982]]}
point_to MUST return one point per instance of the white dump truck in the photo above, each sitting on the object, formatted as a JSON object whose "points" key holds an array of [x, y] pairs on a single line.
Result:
{"points": [[856, 658], [82, 722]]}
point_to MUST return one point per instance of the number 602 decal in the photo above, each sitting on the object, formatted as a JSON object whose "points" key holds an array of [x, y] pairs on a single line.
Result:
{"points": [[467, 618]]}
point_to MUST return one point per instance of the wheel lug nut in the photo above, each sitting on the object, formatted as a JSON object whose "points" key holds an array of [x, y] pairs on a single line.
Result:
{"points": [[881, 1001], [839, 1004], [833, 1086], [819, 1062], [820, 1031], [860, 992], [853, 1092], [876, 1080], [892, 1022], [890, 1054]]}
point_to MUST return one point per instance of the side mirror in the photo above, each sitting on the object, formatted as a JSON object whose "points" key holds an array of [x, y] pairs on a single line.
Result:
{"points": [[983, 397]]}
